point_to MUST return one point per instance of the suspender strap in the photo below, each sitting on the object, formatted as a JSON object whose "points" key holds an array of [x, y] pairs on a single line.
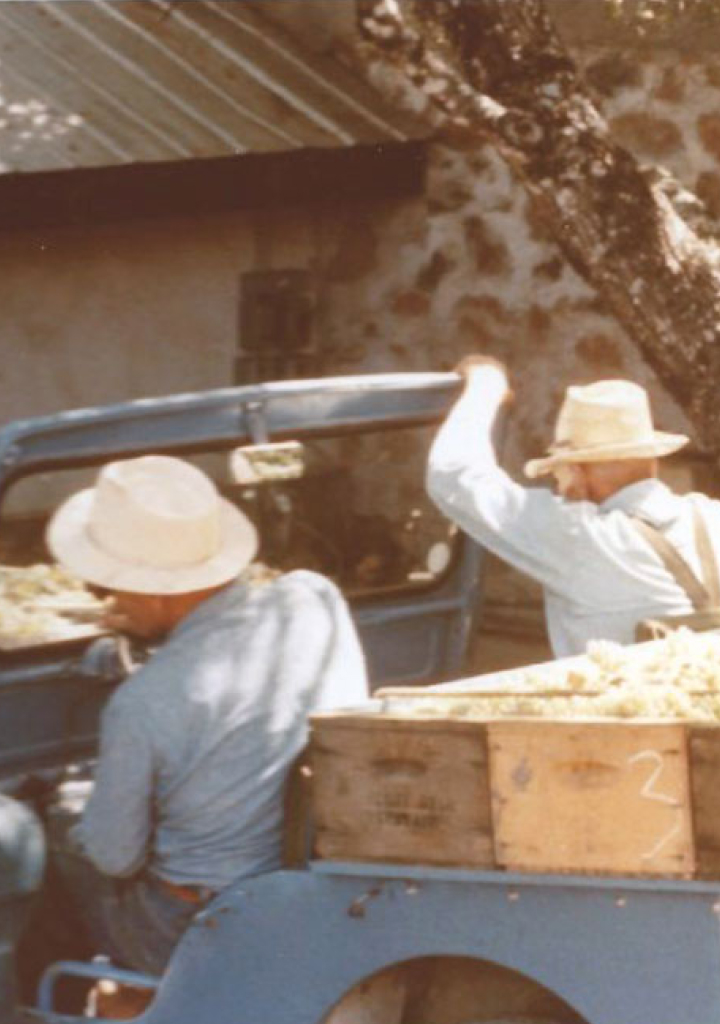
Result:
{"points": [[703, 596], [708, 562]]}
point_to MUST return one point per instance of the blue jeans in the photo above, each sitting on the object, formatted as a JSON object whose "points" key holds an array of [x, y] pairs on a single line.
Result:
{"points": [[135, 922]]}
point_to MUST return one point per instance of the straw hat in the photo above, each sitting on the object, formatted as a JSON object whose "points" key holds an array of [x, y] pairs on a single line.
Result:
{"points": [[152, 525], [604, 422]]}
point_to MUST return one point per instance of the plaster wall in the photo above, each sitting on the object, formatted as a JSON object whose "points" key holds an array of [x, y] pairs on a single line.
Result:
{"points": [[108, 313]]}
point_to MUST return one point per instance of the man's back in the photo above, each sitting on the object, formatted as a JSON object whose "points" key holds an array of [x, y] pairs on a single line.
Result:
{"points": [[210, 726], [599, 574]]}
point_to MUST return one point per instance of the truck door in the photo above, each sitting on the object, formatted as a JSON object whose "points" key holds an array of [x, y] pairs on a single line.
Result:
{"points": [[357, 513]]}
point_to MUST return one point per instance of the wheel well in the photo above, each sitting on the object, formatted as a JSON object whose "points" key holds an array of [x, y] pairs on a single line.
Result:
{"points": [[449, 990]]}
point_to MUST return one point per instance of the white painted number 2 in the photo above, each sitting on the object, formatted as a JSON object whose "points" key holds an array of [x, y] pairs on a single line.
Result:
{"points": [[650, 793]]}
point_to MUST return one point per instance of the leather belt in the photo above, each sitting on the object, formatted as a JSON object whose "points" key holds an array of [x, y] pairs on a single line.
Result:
{"points": [[195, 894]]}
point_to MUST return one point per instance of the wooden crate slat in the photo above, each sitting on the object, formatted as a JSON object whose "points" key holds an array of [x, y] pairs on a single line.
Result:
{"points": [[704, 753], [602, 796], [386, 790]]}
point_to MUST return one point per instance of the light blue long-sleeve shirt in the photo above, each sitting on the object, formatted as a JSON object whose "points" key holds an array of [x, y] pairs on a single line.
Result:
{"points": [[195, 746], [599, 576]]}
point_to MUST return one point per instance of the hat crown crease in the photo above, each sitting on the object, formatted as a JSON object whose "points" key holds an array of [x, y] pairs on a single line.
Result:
{"points": [[148, 516], [603, 421], [601, 415]]}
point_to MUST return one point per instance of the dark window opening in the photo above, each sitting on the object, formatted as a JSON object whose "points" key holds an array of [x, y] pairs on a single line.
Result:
{"points": [[359, 514], [275, 327]]}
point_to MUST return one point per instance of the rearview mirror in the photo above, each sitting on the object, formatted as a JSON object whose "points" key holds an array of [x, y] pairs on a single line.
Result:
{"points": [[267, 463]]}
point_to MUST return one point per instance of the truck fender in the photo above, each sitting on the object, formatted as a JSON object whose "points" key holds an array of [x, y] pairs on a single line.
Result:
{"points": [[289, 946]]}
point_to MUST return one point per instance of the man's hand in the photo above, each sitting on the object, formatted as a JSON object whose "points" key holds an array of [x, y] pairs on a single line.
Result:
{"points": [[470, 366]]}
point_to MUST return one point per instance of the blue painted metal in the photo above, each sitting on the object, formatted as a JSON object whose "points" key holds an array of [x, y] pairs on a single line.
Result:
{"points": [[49, 711], [421, 637], [430, 873], [93, 971], [229, 416], [285, 947]]}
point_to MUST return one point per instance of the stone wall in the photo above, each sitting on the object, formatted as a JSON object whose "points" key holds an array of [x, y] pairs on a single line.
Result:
{"points": [[473, 269]]}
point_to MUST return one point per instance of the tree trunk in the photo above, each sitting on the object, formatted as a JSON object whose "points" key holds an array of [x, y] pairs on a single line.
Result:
{"points": [[497, 68]]}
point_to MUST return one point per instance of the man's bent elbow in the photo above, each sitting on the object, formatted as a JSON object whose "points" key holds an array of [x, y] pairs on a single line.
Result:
{"points": [[440, 482], [113, 862]]}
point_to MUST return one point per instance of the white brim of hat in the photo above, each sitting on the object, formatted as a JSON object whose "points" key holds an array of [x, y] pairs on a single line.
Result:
{"points": [[73, 546], [657, 446]]}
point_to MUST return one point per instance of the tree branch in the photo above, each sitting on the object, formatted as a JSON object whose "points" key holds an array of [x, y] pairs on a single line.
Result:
{"points": [[499, 70]]}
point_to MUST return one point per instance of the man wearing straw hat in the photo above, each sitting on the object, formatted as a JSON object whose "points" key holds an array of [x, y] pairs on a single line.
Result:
{"points": [[614, 546], [196, 744]]}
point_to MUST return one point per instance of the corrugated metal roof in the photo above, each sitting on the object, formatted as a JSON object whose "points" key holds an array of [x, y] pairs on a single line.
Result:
{"points": [[93, 83]]}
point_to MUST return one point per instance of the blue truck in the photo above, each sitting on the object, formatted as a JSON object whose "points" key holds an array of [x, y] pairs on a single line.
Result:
{"points": [[323, 942]]}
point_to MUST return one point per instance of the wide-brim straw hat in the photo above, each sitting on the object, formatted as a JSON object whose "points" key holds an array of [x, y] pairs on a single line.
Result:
{"points": [[152, 525], [605, 422]]}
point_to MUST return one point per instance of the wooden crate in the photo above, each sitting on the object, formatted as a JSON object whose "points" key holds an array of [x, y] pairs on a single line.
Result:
{"points": [[538, 795], [400, 790]]}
